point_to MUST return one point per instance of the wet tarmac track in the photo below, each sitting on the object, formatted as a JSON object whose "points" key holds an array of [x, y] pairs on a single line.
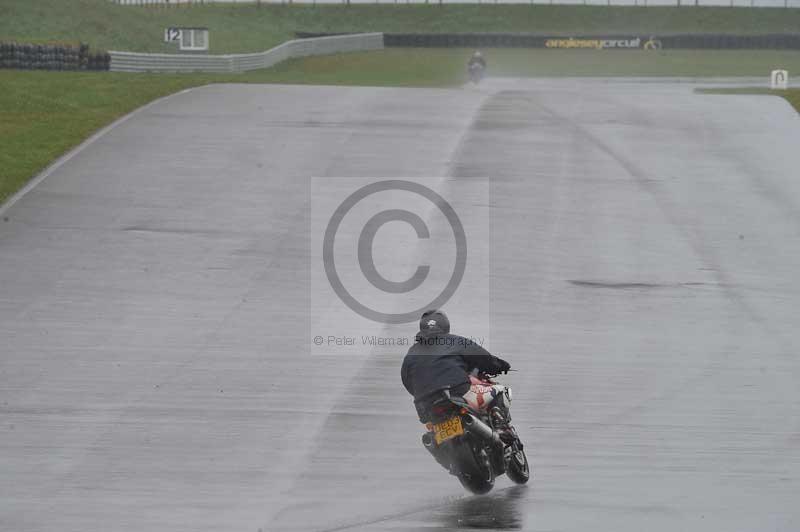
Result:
{"points": [[156, 367]]}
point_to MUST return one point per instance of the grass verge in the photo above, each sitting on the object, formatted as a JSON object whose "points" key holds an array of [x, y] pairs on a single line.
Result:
{"points": [[44, 114], [791, 95], [249, 28]]}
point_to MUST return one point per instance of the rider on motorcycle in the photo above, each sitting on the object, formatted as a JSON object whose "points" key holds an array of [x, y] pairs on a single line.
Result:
{"points": [[439, 360], [476, 59]]}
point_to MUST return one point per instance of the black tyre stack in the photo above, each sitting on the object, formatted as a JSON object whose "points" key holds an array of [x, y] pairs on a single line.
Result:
{"points": [[51, 57], [83, 56], [4, 55], [71, 58], [98, 61]]}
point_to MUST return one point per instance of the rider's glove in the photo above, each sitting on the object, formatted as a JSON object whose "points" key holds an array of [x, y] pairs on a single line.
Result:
{"points": [[504, 366]]}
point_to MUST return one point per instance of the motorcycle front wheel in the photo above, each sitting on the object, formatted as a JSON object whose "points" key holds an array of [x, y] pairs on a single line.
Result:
{"points": [[518, 469]]}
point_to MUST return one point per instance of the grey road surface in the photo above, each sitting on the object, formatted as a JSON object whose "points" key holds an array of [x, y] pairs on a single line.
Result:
{"points": [[156, 371]]}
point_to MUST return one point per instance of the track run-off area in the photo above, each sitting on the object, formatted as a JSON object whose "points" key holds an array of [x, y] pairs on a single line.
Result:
{"points": [[641, 250]]}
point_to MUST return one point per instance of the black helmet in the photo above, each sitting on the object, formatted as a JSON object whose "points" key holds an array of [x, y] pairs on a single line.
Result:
{"points": [[434, 322]]}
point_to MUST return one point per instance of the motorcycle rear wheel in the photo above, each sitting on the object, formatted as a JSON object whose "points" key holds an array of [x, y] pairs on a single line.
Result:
{"points": [[474, 468]]}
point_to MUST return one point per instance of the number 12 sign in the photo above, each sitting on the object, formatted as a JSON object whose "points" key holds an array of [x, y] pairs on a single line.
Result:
{"points": [[172, 35]]}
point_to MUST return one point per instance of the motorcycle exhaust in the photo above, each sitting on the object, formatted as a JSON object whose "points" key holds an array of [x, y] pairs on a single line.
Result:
{"points": [[475, 426], [478, 428]]}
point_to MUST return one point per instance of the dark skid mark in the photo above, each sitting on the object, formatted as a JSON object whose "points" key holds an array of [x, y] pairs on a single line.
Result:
{"points": [[605, 284], [623, 286], [370, 124], [143, 229], [180, 231]]}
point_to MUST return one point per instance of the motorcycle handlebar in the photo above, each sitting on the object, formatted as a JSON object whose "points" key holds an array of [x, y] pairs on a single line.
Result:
{"points": [[493, 375], [476, 373]]}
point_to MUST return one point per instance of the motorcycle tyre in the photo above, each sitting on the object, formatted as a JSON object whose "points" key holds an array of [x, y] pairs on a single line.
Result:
{"points": [[519, 471], [474, 467]]}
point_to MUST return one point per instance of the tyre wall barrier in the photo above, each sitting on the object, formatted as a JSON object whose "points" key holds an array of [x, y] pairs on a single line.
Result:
{"points": [[26, 56], [330, 44]]}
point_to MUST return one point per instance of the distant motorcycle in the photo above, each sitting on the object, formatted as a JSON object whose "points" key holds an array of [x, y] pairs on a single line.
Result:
{"points": [[476, 71], [464, 439]]}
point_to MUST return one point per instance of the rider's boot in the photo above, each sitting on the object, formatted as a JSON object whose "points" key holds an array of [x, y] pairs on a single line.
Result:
{"points": [[501, 415]]}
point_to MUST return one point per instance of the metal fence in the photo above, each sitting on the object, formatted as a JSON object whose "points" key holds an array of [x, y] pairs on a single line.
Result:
{"points": [[140, 62], [644, 3]]}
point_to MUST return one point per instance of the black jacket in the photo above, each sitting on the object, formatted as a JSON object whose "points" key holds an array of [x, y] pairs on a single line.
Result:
{"points": [[444, 361]]}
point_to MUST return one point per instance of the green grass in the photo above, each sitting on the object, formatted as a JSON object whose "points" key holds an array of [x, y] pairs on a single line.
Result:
{"points": [[247, 28], [791, 95], [44, 114]]}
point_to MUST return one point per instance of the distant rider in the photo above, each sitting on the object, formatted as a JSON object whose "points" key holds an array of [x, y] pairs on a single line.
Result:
{"points": [[476, 59], [439, 360]]}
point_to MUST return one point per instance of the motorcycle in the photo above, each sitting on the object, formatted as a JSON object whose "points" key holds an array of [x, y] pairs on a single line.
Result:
{"points": [[463, 436], [476, 72]]}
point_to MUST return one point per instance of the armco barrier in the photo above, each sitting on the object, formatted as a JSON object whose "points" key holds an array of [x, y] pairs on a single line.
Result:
{"points": [[137, 62]]}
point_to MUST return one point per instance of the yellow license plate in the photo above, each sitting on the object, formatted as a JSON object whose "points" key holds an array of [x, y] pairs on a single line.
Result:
{"points": [[448, 429]]}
